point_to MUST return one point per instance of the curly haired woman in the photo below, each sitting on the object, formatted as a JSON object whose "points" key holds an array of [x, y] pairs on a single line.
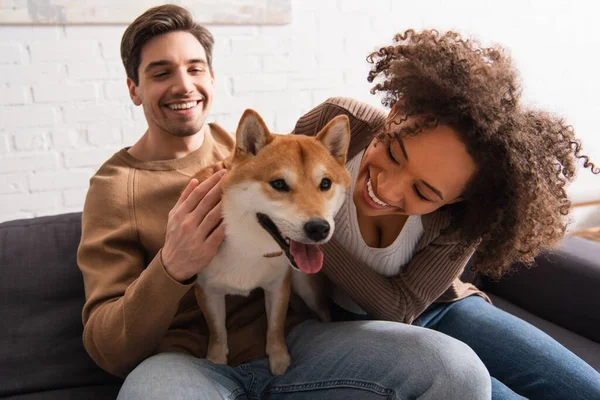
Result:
{"points": [[458, 170]]}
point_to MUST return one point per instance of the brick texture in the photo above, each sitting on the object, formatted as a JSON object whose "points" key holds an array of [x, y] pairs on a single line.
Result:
{"points": [[65, 108]]}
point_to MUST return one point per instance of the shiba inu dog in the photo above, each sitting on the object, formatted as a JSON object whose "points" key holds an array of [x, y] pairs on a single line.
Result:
{"points": [[279, 200]]}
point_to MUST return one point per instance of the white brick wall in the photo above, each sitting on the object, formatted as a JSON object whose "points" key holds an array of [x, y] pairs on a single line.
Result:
{"points": [[29, 162], [14, 95], [11, 53], [28, 116], [69, 50], [64, 106], [64, 92], [29, 74], [31, 140], [4, 146]]}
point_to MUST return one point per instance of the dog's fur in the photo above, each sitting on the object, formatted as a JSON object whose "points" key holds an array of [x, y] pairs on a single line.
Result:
{"points": [[260, 215]]}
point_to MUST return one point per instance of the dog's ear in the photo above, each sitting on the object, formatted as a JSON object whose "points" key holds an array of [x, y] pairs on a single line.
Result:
{"points": [[252, 133], [335, 136]]}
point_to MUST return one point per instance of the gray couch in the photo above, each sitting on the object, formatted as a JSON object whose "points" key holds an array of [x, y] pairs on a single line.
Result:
{"points": [[41, 296]]}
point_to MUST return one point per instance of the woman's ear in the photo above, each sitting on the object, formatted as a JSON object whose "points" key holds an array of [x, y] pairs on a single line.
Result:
{"points": [[394, 111], [456, 200]]}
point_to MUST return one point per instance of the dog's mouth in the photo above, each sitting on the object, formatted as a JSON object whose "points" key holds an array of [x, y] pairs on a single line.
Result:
{"points": [[307, 258]]}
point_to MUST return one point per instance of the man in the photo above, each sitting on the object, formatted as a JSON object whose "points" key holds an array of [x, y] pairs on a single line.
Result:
{"points": [[148, 229]]}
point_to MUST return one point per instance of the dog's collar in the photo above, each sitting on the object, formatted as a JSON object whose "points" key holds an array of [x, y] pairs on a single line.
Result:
{"points": [[273, 255]]}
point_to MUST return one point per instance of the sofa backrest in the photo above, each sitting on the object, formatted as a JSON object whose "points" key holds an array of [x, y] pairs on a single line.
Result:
{"points": [[41, 297], [562, 288]]}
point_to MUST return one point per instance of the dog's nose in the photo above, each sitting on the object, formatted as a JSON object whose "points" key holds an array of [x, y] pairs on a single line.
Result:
{"points": [[317, 229]]}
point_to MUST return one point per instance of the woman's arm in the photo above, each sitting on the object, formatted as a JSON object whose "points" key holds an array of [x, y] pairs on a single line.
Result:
{"points": [[426, 277], [364, 120], [403, 297]]}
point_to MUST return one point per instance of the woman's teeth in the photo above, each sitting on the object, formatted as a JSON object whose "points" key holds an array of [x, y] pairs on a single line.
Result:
{"points": [[372, 194], [183, 106]]}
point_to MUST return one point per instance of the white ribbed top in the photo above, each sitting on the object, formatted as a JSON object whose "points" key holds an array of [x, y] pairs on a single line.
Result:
{"points": [[387, 261]]}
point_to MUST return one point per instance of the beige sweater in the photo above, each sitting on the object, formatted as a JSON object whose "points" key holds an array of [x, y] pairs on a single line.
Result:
{"points": [[430, 276], [133, 308]]}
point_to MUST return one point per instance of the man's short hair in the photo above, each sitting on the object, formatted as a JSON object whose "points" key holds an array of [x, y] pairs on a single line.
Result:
{"points": [[158, 21]]}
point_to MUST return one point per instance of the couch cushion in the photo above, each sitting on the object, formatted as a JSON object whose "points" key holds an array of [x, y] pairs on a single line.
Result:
{"points": [[584, 348], [98, 392], [41, 297], [562, 288]]}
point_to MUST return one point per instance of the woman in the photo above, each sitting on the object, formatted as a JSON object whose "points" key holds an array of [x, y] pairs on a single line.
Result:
{"points": [[457, 170]]}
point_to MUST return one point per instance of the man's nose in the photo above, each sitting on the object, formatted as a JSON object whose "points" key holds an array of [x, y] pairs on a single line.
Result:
{"points": [[183, 84]]}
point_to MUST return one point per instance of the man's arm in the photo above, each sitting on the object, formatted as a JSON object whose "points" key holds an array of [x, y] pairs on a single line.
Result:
{"points": [[194, 229], [130, 306]]}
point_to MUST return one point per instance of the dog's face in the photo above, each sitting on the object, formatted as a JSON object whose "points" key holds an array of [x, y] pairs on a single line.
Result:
{"points": [[291, 185]]}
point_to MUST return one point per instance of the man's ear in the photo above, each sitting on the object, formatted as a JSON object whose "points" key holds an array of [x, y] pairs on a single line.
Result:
{"points": [[335, 136], [252, 133], [133, 92]]}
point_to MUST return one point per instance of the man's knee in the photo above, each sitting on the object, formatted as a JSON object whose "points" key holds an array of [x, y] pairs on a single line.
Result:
{"points": [[172, 376]]}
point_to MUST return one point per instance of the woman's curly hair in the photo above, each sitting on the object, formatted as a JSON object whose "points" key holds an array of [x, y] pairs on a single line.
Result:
{"points": [[517, 203]]}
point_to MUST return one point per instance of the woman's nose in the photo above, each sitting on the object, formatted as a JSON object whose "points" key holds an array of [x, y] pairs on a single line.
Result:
{"points": [[392, 189]]}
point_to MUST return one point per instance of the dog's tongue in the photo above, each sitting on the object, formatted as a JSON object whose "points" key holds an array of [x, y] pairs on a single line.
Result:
{"points": [[308, 257]]}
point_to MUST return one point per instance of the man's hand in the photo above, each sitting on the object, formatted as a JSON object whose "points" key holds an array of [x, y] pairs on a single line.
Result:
{"points": [[194, 229]]}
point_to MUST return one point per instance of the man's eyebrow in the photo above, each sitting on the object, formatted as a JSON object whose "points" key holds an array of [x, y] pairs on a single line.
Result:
{"points": [[158, 63], [162, 63], [197, 61], [433, 189]]}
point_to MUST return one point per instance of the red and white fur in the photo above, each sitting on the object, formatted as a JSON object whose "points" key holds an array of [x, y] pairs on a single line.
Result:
{"points": [[279, 200]]}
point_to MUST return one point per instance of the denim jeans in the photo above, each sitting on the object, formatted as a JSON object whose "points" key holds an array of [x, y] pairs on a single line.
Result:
{"points": [[341, 360], [522, 360]]}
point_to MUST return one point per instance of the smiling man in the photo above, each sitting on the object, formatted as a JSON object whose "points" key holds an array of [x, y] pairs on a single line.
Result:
{"points": [[175, 86], [149, 228]]}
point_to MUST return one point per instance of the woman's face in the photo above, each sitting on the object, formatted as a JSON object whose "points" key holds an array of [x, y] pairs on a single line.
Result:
{"points": [[413, 176]]}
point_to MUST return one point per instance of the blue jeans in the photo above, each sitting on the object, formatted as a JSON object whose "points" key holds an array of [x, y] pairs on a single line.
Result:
{"points": [[522, 360], [342, 360]]}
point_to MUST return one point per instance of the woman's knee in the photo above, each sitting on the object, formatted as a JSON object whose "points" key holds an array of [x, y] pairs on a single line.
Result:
{"points": [[440, 366], [443, 367], [457, 369]]}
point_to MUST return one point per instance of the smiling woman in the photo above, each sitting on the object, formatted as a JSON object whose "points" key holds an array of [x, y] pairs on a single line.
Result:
{"points": [[458, 170], [515, 203], [415, 175]]}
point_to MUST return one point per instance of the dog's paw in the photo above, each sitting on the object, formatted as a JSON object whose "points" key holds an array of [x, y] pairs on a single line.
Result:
{"points": [[217, 354], [279, 361], [324, 315], [218, 359]]}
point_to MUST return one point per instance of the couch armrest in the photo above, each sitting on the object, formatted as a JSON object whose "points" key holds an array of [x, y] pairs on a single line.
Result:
{"points": [[564, 287]]}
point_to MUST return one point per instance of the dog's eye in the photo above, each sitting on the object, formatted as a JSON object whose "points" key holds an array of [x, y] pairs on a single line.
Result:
{"points": [[325, 184], [279, 185]]}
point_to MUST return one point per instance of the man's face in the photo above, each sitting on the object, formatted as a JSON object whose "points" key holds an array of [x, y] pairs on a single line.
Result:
{"points": [[175, 84]]}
